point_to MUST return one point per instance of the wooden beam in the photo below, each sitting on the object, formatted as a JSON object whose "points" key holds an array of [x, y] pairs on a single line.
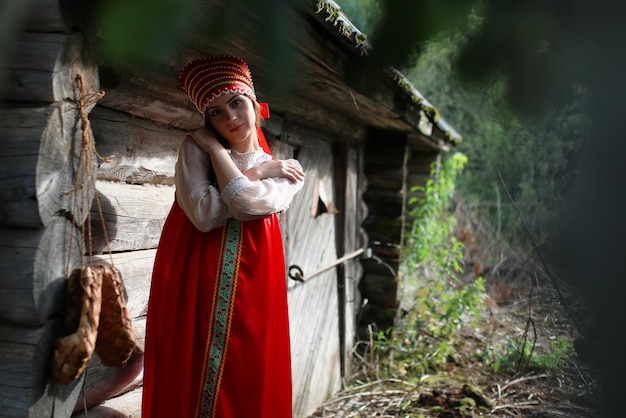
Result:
{"points": [[158, 99], [41, 167], [136, 149], [25, 387], [43, 16], [133, 215], [34, 263], [42, 68]]}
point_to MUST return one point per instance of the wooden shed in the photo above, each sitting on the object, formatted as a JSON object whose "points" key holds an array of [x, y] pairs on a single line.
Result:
{"points": [[65, 202]]}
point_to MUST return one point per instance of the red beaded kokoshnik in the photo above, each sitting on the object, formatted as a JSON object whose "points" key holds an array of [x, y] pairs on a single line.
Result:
{"points": [[206, 78]]}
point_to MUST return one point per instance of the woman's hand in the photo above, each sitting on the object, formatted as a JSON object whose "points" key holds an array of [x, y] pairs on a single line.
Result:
{"points": [[289, 169], [206, 139]]}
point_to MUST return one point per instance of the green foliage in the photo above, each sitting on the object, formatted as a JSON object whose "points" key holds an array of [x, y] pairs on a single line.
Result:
{"points": [[431, 229], [133, 34], [520, 355], [432, 259], [537, 158], [130, 31], [364, 14]]}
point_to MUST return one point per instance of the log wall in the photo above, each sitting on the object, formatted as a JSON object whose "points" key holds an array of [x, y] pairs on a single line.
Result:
{"points": [[394, 165], [44, 198]]}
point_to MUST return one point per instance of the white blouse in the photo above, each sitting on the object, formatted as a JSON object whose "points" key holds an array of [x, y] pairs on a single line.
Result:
{"points": [[242, 199]]}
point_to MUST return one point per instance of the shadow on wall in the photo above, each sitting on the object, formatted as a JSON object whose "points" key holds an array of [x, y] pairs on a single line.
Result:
{"points": [[101, 226]]}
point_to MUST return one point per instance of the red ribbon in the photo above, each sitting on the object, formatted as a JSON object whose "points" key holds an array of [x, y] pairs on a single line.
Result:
{"points": [[265, 110]]}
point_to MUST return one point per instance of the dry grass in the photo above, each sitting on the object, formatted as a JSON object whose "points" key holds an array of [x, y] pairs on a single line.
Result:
{"points": [[522, 302], [465, 387]]}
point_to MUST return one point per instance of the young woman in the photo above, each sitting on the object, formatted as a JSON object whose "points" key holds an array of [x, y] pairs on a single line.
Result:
{"points": [[217, 332]]}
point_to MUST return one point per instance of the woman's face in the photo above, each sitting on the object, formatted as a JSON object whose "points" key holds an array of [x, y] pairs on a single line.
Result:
{"points": [[233, 116]]}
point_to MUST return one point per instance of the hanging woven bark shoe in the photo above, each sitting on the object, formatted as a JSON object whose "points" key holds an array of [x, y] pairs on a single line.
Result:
{"points": [[116, 336], [84, 299]]}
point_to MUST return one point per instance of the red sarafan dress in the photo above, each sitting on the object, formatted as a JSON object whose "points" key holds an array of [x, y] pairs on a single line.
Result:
{"points": [[217, 332]]}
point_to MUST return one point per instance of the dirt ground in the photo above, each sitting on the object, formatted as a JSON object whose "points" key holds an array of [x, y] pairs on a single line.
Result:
{"points": [[521, 302]]}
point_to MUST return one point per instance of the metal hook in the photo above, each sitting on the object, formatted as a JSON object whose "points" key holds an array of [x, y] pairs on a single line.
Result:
{"points": [[298, 276]]}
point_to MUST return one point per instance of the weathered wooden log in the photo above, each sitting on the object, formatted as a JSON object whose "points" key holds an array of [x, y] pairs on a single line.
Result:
{"points": [[134, 142], [42, 16], [389, 252], [102, 382], [416, 179], [133, 175], [25, 387], [42, 171], [384, 202], [161, 100], [124, 406], [424, 143], [386, 150], [386, 229], [385, 177], [133, 216], [43, 67], [34, 263], [420, 163], [335, 121]]}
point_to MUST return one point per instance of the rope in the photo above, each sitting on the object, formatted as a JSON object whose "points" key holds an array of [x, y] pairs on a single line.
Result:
{"points": [[82, 188], [85, 180]]}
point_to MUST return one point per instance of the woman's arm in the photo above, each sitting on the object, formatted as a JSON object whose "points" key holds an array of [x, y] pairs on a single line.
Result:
{"points": [[273, 184], [252, 199], [224, 167], [200, 200], [289, 169]]}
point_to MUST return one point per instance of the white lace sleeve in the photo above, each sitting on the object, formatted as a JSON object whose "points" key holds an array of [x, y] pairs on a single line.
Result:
{"points": [[253, 199], [200, 200]]}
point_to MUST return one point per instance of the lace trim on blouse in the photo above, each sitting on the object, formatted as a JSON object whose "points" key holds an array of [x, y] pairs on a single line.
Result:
{"points": [[247, 160], [235, 186], [243, 161]]}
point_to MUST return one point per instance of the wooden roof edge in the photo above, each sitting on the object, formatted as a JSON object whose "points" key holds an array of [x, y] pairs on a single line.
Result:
{"points": [[432, 113], [332, 14], [451, 135]]}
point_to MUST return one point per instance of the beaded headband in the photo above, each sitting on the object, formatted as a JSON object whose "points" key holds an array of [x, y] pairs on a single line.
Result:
{"points": [[204, 79]]}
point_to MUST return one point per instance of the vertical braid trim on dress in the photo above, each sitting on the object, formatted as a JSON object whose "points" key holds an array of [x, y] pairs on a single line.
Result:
{"points": [[223, 297]]}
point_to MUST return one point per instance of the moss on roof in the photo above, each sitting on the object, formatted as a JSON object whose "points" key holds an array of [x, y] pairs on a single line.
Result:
{"points": [[346, 28], [333, 14]]}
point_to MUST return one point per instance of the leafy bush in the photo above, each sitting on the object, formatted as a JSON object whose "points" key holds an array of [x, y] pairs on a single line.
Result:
{"points": [[517, 355], [432, 259]]}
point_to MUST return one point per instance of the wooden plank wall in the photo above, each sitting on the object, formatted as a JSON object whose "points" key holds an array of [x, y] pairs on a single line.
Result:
{"points": [[316, 305]]}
